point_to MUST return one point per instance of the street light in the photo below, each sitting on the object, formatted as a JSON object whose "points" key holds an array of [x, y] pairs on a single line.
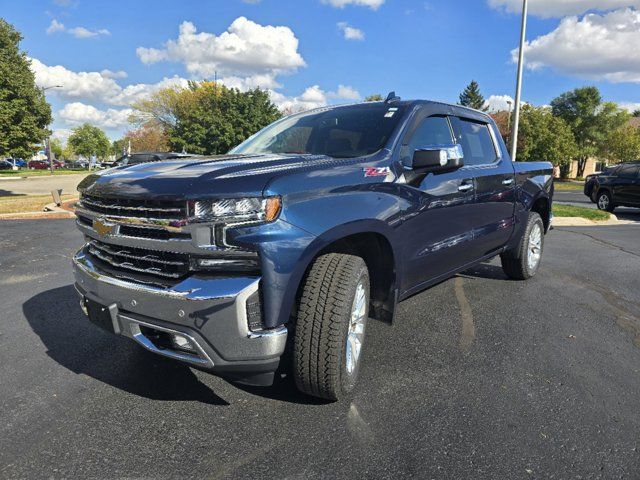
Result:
{"points": [[516, 117], [47, 141]]}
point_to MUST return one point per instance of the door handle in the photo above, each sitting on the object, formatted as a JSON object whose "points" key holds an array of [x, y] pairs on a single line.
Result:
{"points": [[466, 187], [508, 181]]}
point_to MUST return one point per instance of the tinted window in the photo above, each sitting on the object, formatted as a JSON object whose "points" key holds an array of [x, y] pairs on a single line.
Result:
{"points": [[476, 141], [628, 171], [432, 131], [351, 131]]}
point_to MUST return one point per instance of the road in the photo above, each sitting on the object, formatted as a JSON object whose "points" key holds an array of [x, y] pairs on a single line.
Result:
{"points": [[579, 199], [40, 185], [479, 377]]}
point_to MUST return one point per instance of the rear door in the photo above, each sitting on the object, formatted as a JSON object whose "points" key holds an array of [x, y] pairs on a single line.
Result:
{"points": [[625, 185], [494, 184]]}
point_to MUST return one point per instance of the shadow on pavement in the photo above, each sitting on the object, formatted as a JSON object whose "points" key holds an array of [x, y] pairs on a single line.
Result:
{"points": [[81, 347], [485, 270], [9, 193]]}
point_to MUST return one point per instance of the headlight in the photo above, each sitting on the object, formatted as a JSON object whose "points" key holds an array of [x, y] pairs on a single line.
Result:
{"points": [[235, 210]]}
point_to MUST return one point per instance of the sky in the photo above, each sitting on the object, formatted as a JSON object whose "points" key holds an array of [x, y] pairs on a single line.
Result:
{"points": [[308, 53]]}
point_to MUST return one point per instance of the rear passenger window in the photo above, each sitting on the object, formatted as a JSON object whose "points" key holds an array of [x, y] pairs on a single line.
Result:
{"points": [[628, 171], [476, 140]]}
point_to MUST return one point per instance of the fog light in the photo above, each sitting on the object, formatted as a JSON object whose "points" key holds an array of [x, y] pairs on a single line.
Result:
{"points": [[181, 343]]}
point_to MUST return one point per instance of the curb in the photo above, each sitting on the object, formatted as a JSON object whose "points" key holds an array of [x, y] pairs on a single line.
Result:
{"points": [[584, 222], [51, 212]]}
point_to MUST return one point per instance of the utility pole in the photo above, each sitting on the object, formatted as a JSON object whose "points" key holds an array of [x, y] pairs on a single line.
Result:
{"points": [[516, 117], [47, 141]]}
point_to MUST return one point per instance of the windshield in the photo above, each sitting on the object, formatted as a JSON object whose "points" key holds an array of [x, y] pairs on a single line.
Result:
{"points": [[342, 132]]}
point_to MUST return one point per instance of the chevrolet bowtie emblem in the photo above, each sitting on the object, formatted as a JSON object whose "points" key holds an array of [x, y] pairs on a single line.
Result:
{"points": [[103, 228]]}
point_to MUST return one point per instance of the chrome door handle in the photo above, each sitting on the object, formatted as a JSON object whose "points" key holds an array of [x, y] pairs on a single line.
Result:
{"points": [[508, 181], [465, 188]]}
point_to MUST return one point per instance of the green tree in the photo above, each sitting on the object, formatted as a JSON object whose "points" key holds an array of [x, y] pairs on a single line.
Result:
{"points": [[591, 120], [544, 137], [206, 118], [24, 111], [472, 98], [623, 144], [87, 140], [636, 113], [117, 147], [56, 147], [376, 97]]}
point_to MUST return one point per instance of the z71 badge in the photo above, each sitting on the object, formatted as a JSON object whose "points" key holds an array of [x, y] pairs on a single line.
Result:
{"points": [[377, 172]]}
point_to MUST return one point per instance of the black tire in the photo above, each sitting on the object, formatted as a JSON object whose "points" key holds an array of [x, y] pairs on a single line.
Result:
{"points": [[515, 263], [322, 325], [605, 202]]}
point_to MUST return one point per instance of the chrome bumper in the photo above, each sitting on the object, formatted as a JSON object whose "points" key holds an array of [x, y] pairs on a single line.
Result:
{"points": [[210, 312]]}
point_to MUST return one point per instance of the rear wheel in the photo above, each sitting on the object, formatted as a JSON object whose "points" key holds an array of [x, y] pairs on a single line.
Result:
{"points": [[605, 202], [330, 326], [523, 262]]}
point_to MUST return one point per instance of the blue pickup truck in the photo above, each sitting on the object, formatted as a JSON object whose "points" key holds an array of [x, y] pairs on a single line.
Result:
{"points": [[273, 258]]}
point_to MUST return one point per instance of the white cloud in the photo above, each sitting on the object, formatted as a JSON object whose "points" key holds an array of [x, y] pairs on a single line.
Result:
{"points": [[99, 87], [78, 32], [313, 97], [62, 134], [245, 49], [349, 32], [77, 113], [629, 106], [499, 103], [561, 8], [55, 26], [372, 4], [595, 46]]}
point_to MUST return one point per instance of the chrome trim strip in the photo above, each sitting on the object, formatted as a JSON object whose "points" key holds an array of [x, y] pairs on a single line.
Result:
{"points": [[125, 254], [84, 201], [276, 332], [128, 266]]}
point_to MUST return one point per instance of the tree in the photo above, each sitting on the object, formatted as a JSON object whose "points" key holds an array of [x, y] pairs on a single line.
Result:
{"points": [[206, 117], [24, 111], [88, 140], [118, 147], [544, 137], [623, 144], [591, 120], [55, 144], [147, 138], [636, 113], [472, 98], [376, 97]]}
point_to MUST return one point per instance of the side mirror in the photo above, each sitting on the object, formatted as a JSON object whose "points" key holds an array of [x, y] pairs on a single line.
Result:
{"points": [[438, 158]]}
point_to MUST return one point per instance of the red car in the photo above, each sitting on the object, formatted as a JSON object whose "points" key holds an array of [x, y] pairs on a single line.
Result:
{"points": [[43, 164]]}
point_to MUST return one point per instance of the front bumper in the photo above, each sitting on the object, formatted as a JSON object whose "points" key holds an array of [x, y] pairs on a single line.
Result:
{"points": [[209, 312]]}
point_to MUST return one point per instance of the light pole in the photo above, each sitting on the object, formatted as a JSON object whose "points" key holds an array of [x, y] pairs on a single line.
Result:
{"points": [[516, 116], [47, 141]]}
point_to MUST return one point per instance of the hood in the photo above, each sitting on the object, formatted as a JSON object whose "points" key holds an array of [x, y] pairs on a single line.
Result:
{"points": [[198, 177]]}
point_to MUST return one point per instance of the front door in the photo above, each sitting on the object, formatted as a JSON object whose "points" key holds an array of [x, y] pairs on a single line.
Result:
{"points": [[436, 230], [625, 184], [494, 181]]}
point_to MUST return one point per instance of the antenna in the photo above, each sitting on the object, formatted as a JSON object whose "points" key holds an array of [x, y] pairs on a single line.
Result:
{"points": [[392, 97]]}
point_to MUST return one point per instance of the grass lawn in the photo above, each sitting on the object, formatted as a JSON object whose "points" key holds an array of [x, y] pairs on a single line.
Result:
{"points": [[564, 185], [38, 173], [27, 203], [588, 213]]}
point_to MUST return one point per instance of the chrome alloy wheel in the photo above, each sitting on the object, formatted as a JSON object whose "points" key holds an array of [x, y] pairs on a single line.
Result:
{"points": [[357, 324], [603, 202], [534, 251]]}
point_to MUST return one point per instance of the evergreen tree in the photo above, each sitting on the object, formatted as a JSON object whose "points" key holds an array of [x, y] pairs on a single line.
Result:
{"points": [[376, 97], [472, 98], [24, 112]]}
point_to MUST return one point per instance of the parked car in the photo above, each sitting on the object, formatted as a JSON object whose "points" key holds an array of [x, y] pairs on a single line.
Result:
{"points": [[6, 165], [144, 157], [616, 186], [19, 162], [44, 164], [273, 258]]}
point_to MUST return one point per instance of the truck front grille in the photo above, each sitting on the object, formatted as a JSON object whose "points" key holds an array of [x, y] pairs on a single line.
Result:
{"points": [[123, 207], [155, 263]]}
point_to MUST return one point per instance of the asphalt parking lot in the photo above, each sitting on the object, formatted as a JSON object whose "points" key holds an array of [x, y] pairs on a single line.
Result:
{"points": [[40, 185], [480, 377]]}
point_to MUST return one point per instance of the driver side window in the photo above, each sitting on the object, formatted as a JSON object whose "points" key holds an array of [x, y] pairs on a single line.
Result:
{"points": [[432, 131]]}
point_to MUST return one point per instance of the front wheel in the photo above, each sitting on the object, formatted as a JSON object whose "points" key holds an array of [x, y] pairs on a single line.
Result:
{"points": [[605, 202], [330, 326], [523, 262]]}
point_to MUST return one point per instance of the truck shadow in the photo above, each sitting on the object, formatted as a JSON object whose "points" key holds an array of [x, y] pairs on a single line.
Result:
{"points": [[77, 345]]}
